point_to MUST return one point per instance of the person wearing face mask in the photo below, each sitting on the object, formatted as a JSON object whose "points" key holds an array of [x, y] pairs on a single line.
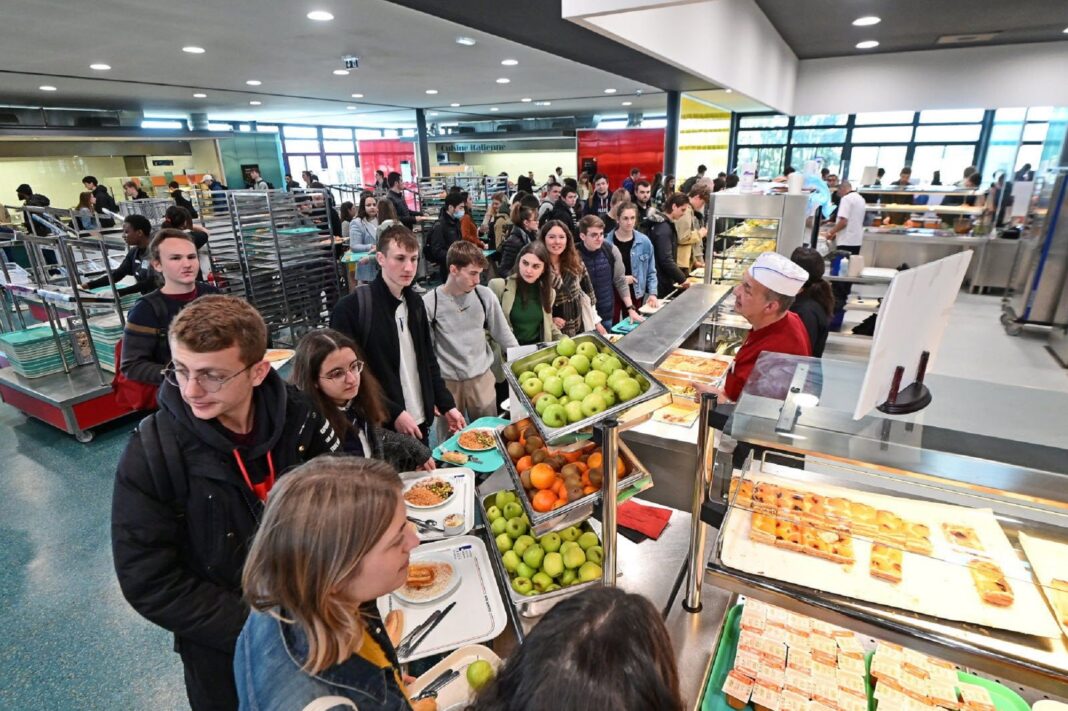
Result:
{"points": [[446, 231], [604, 264], [329, 368], [636, 251], [145, 348], [527, 297], [363, 235], [524, 231]]}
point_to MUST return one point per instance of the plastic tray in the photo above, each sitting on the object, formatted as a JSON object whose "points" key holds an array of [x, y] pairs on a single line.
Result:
{"points": [[463, 479], [489, 460], [479, 614], [457, 694]]}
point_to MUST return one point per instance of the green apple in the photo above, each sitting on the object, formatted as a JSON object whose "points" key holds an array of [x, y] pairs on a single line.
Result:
{"points": [[532, 386], [574, 558], [568, 545], [568, 577], [522, 543], [533, 556], [522, 585], [554, 415], [551, 542], [504, 543], [598, 361], [566, 347], [588, 540], [560, 362], [589, 571], [617, 375], [564, 400], [643, 384], [596, 378], [574, 411], [578, 391], [566, 371], [498, 525], [524, 571], [479, 674], [503, 498], [544, 400], [512, 510], [595, 554], [493, 513], [553, 385], [580, 363], [553, 565], [510, 559], [571, 533], [630, 371], [587, 348], [552, 588], [627, 389], [593, 404], [515, 528], [526, 375], [608, 395], [612, 364], [541, 580], [571, 381], [540, 367], [549, 372]]}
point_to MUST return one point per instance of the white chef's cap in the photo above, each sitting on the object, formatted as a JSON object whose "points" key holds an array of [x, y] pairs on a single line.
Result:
{"points": [[778, 274], [207, 178]]}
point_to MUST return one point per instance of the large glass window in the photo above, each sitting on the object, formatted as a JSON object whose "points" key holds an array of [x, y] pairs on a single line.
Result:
{"points": [[301, 146], [822, 120], [889, 158], [339, 146], [883, 134], [337, 133], [950, 161], [768, 161], [829, 156], [881, 117], [762, 138], [764, 121], [952, 116], [947, 133], [300, 132], [818, 135]]}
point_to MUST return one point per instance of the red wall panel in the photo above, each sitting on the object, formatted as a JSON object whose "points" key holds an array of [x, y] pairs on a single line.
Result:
{"points": [[618, 150], [387, 154]]}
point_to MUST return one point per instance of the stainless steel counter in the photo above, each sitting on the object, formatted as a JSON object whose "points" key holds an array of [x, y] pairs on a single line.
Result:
{"points": [[664, 331]]}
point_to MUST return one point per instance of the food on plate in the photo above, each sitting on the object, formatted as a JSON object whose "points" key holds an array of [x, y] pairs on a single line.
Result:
{"points": [[429, 492], [703, 366], [477, 440], [990, 582], [454, 523], [683, 390], [962, 536], [678, 413], [1058, 592], [427, 580], [886, 563], [766, 498], [274, 355], [458, 458], [975, 698]]}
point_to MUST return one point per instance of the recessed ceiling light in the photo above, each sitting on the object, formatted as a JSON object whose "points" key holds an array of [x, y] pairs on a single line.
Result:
{"points": [[357, 96], [455, 105], [432, 91], [494, 108], [100, 67], [504, 80], [526, 99], [254, 103], [466, 41], [628, 103], [200, 96], [341, 72], [351, 108], [867, 44], [867, 21], [320, 16], [46, 87], [193, 50], [254, 82], [1066, 30], [609, 91], [509, 62], [729, 91]]}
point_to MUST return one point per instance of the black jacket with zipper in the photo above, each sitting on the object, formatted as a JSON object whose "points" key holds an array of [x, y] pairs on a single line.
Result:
{"points": [[182, 516], [510, 249], [445, 234]]}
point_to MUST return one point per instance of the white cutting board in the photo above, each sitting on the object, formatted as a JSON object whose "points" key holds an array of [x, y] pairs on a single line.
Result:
{"points": [[1049, 560]]}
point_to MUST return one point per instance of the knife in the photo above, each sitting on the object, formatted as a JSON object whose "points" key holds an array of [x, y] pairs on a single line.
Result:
{"points": [[421, 632], [444, 679]]}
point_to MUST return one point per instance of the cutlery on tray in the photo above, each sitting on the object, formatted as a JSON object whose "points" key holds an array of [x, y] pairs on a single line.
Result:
{"points": [[414, 638], [444, 679], [427, 524]]}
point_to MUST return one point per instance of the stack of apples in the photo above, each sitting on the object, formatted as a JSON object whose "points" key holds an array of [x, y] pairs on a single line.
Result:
{"points": [[581, 382], [541, 565]]}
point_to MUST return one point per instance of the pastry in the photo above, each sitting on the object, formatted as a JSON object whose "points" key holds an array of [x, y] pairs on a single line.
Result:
{"points": [[799, 660], [775, 633], [742, 492], [824, 649], [851, 665], [862, 519], [799, 682], [825, 673], [838, 509], [791, 504], [962, 536], [942, 694], [791, 701], [886, 563], [826, 692], [787, 535], [748, 663], [975, 698], [765, 698], [849, 702], [813, 511], [766, 498], [990, 582], [762, 528], [1058, 595], [851, 685], [891, 528], [737, 687], [770, 676], [800, 624], [849, 646], [918, 538]]}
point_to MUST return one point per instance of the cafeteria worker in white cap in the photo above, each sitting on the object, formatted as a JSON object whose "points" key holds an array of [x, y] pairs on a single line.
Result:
{"points": [[764, 298]]}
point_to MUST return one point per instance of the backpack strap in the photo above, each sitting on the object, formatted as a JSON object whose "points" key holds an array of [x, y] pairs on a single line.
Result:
{"points": [[157, 301], [160, 445], [363, 311]]}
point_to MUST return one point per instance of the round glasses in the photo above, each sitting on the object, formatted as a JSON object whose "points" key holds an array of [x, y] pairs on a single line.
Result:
{"points": [[355, 368], [205, 381]]}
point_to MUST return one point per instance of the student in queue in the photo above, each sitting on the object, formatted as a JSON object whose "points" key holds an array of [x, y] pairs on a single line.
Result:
{"points": [[85, 218], [334, 539], [136, 230], [103, 201], [446, 230], [527, 296], [330, 369], [133, 190], [611, 219], [462, 316], [815, 302], [604, 264], [564, 209], [401, 353], [636, 250], [395, 194], [178, 218], [600, 649], [468, 228], [363, 236], [145, 345], [552, 195], [180, 199], [691, 233], [569, 279], [524, 231], [192, 482], [387, 216], [599, 202], [666, 244]]}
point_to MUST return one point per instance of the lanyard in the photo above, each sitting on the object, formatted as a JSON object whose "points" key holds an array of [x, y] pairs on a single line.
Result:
{"points": [[264, 487]]}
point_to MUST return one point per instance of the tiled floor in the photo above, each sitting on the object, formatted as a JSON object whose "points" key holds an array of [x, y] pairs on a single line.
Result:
{"points": [[69, 641]]}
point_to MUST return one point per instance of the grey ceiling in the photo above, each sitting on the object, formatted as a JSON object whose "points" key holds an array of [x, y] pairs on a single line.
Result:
{"points": [[823, 28]]}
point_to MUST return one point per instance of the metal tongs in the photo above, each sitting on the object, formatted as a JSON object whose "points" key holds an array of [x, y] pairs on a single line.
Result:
{"points": [[427, 524], [414, 638]]}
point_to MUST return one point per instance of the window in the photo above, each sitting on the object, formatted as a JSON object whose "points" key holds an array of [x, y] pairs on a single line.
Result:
{"points": [[950, 161], [761, 138], [952, 116], [220, 127], [297, 164], [339, 146], [821, 120], [881, 117], [1030, 153], [764, 121], [1035, 132], [1040, 113], [337, 133], [818, 135], [948, 133], [890, 158], [768, 160], [883, 134], [301, 132], [301, 146], [266, 129], [363, 134], [829, 156]]}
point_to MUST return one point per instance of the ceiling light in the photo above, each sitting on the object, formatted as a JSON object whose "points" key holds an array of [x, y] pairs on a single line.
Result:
{"points": [[609, 91], [1066, 30], [341, 72], [526, 99], [729, 91], [504, 80], [543, 103], [465, 41], [46, 87], [627, 103], [351, 108], [200, 96], [509, 62], [254, 103], [433, 113], [193, 50], [494, 109], [100, 67], [867, 44], [454, 105], [254, 82], [867, 21], [431, 91], [357, 96], [320, 16]]}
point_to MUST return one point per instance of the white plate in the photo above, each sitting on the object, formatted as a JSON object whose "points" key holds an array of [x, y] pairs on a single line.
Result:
{"points": [[449, 588], [457, 694], [411, 485], [462, 502]]}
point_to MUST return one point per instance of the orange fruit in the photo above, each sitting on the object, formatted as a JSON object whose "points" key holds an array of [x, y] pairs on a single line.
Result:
{"points": [[585, 479], [543, 501], [524, 463], [582, 467], [559, 488], [595, 459], [558, 504], [590, 490], [542, 476]]}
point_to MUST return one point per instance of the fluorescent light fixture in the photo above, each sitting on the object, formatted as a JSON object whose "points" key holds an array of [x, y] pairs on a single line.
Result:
{"points": [[254, 103], [357, 96], [320, 16], [163, 124], [494, 108], [200, 96], [431, 91], [526, 99], [628, 103], [100, 67], [504, 80], [729, 91], [254, 82], [466, 41], [341, 72], [454, 105], [609, 91], [867, 44], [867, 21], [433, 113], [47, 87], [509, 62], [351, 108], [191, 49]]}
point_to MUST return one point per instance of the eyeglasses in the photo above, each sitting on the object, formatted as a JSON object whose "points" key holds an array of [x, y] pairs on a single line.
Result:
{"points": [[355, 368], [205, 381]]}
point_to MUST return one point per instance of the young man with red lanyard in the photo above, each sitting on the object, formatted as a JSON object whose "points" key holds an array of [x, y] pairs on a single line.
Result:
{"points": [[191, 485]]}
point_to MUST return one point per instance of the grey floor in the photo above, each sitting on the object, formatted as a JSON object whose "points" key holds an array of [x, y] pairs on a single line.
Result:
{"points": [[69, 641]]}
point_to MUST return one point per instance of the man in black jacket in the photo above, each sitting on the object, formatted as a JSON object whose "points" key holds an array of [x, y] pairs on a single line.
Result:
{"points": [[600, 199], [136, 232], [401, 353], [32, 199], [191, 485], [407, 217], [103, 199], [447, 230], [564, 210], [665, 245]]}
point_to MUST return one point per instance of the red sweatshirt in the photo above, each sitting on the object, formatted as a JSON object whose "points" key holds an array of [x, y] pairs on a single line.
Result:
{"points": [[787, 335]]}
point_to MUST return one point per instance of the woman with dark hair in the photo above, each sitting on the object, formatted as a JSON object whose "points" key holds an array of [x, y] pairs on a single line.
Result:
{"points": [[666, 188], [85, 212], [346, 211], [525, 184], [329, 368], [387, 216], [363, 236], [527, 295], [570, 279], [524, 231], [654, 187], [601, 649], [611, 219], [815, 302]]}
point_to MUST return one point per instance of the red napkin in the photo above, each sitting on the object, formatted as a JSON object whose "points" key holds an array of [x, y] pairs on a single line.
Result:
{"points": [[647, 520]]}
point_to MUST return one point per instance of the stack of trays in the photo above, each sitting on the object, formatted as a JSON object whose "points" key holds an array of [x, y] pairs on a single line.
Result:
{"points": [[33, 353], [106, 331]]}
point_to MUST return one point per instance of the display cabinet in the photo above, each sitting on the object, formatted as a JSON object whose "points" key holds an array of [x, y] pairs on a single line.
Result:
{"points": [[743, 226]]}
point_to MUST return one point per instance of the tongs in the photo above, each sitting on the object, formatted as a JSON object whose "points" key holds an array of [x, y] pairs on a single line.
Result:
{"points": [[427, 524]]}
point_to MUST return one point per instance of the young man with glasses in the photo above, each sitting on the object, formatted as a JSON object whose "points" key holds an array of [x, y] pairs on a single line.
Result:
{"points": [[191, 485]]}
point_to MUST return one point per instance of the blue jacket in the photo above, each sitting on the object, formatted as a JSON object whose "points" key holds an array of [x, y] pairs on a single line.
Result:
{"points": [[641, 264], [363, 236], [269, 678]]}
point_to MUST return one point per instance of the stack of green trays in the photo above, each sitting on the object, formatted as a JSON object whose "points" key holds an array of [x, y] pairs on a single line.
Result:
{"points": [[106, 331], [33, 353]]}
